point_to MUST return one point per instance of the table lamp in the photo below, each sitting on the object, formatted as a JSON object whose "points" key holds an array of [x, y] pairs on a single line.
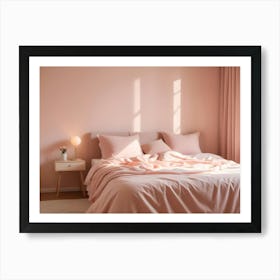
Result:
{"points": [[75, 141]]}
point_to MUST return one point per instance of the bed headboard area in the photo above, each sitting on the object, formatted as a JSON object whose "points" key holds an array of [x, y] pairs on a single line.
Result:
{"points": [[144, 138], [147, 137], [92, 148]]}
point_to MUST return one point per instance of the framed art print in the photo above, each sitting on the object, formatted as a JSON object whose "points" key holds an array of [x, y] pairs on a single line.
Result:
{"points": [[140, 138]]}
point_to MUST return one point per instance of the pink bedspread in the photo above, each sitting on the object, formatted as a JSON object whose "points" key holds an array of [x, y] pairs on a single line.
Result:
{"points": [[166, 183]]}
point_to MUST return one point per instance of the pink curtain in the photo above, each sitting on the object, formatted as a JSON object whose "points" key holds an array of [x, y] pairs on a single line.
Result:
{"points": [[229, 114]]}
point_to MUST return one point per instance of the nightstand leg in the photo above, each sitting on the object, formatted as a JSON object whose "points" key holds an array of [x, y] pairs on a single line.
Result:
{"points": [[82, 187], [58, 184]]}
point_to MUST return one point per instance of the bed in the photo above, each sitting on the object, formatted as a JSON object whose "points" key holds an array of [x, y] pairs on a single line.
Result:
{"points": [[168, 182]]}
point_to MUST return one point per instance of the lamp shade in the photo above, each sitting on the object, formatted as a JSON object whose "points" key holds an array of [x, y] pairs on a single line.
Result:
{"points": [[75, 141]]}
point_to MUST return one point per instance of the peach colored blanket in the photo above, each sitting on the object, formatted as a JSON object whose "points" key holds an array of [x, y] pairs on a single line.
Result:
{"points": [[165, 183]]}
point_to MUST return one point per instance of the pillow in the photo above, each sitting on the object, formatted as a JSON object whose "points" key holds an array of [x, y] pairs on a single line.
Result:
{"points": [[94, 144], [155, 147], [186, 144], [127, 146]]}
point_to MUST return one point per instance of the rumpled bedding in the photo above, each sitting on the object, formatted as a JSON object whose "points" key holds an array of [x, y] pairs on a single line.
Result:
{"points": [[165, 183]]}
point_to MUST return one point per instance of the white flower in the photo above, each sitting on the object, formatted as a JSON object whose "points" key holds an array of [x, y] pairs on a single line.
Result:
{"points": [[63, 149]]}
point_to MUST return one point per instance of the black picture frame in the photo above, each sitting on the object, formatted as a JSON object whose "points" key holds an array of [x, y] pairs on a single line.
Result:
{"points": [[254, 52]]}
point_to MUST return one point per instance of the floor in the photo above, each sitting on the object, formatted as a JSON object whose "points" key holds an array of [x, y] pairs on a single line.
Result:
{"points": [[65, 206], [62, 195]]}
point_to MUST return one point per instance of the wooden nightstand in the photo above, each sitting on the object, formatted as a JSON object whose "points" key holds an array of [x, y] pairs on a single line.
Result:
{"points": [[78, 165]]}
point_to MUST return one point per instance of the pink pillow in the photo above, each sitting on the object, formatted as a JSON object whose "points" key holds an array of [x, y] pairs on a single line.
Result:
{"points": [[155, 147], [186, 144], [127, 146]]}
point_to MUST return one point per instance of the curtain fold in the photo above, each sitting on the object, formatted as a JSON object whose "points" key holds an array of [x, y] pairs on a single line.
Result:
{"points": [[229, 113]]}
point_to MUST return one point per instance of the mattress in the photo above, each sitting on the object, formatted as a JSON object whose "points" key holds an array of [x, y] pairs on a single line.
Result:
{"points": [[166, 183]]}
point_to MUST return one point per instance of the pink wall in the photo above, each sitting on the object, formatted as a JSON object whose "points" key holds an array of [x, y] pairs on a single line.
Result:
{"points": [[200, 103], [87, 100]]}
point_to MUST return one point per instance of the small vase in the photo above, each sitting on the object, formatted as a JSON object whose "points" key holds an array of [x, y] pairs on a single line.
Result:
{"points": [[64, 156]]}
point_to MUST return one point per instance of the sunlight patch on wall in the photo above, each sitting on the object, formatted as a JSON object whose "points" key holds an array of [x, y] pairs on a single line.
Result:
{"points": [[177, 97], [136, 105]]}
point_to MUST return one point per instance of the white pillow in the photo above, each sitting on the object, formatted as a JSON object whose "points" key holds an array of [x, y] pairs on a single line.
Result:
{"points": [[120, 146]]}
